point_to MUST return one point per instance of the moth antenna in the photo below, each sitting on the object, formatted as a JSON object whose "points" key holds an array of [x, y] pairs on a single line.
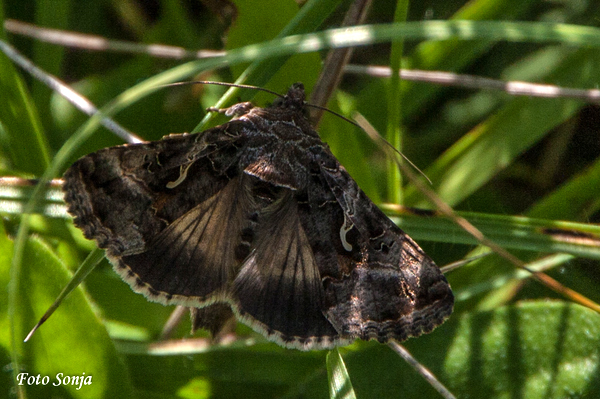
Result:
{"points": [[375, 136], [379, 137], [242, 86], [333, 113], [407, 160], [211, 82]]}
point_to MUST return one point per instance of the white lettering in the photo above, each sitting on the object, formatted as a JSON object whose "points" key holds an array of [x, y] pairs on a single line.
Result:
{"points": [[75, 380], [21, 376], [79, 381], [25, 378], [88, 380]]}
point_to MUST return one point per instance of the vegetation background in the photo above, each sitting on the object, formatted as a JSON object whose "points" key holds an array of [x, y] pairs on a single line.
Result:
{"points": [[525, 170]]}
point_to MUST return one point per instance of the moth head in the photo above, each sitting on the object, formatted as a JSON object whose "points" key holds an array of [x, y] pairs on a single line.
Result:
{"points": [[294, 99]]}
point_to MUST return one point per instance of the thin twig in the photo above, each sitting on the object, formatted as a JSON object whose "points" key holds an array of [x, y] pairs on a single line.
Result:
{"points": [[336, 59], [173, 322], [55, 84], [99, 43], [515, 88], [422, 370]]}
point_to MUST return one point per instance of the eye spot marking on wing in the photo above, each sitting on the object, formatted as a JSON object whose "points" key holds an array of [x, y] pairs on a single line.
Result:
{"points": [[346, 227]]}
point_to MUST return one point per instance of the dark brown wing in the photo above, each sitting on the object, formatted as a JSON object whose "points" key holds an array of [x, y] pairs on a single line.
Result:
{"points": [[278, 290], [122, 196], [161, 208], [193, 260], [387, 287]]}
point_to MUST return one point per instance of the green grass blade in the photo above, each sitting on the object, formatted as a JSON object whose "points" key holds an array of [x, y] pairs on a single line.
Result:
{"points": [[394, 103], [340, 386], [261, 71], [14, 195], [21, 134], [514, 232], [499, 140], [455, 54], [577, 199]]}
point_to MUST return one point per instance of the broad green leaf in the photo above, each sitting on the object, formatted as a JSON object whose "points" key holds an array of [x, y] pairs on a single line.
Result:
{"points": [[530, 350], [260, 371], [538, 349], [71, 342]]}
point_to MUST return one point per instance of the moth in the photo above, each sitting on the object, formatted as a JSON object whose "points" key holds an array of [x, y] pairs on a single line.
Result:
{"points": [[257, 217]]}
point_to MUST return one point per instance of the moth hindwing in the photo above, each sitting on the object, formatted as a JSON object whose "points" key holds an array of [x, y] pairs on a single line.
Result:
{"points": [[259, 215]]}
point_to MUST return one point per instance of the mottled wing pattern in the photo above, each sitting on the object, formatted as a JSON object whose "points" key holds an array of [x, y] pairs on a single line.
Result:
{"points": [[393, 290], [257, 215], [163, 231], [123, 196], [194, 258]]}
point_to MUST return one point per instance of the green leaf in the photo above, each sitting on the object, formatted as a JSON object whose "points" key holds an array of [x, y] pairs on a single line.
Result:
{"points": [[531, 350], [22, 139], [260, 371], [577, 199], [299, 68], [455, 54], [543, 235], [72, 342]]}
